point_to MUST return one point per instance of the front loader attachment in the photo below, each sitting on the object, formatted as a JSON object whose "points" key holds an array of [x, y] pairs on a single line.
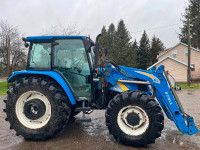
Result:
{"points": [[190, 121], [171, 104], [166, 96]]}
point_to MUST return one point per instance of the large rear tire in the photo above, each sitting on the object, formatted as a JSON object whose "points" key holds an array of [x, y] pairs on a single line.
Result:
{"points": [[73, 113], [135, 119], [37, 108]]}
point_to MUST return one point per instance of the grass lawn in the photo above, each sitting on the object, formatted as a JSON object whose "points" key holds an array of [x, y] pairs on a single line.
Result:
{"points": [[192, 85], [3, 88]]}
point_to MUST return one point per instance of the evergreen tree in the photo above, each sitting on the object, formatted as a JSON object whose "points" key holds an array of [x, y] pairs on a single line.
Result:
{"points": [[103, 42], [156, 47], [103, 39], [128, 53], [143, 52], [122, 45], [111, 40], [192, 11], [134, 49]]}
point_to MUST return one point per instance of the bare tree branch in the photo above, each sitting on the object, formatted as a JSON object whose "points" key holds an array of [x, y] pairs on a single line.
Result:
{"points": [[18, 55], [60, 29]]}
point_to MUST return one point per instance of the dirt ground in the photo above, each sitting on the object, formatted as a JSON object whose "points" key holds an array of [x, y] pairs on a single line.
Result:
{"points": [[94, 135]]}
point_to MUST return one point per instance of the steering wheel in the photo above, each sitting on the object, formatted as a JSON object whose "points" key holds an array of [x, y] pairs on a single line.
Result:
{"points": [[75, 65]]}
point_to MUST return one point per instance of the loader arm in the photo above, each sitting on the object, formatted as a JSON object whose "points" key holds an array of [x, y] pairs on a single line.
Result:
{"points": [[165, 95]]}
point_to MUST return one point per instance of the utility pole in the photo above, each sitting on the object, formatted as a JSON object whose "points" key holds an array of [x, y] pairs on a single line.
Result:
{"points": [[189, 51], [8, 59]]}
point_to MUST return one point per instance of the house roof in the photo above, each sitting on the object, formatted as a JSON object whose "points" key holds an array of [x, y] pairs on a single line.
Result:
{"points": [[196, 49], [169, 58]]}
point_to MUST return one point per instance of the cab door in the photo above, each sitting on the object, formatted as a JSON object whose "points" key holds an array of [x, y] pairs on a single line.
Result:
{"points": [[70, 60]]}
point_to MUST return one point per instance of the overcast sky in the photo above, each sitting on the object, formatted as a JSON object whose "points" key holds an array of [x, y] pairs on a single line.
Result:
{"points": [[34, 16]]}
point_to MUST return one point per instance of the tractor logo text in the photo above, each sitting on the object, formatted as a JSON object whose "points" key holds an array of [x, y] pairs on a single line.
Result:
{"points": [[168, 98]]}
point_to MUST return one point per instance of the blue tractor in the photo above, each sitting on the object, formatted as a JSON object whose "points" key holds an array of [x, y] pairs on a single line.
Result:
{"points": [[63, 77]]}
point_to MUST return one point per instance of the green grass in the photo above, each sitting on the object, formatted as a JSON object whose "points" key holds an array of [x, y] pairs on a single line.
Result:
{"points": [[3, 88], [192, 85]]}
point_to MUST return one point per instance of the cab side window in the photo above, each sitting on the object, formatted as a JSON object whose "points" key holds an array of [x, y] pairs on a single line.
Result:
{"points": [[40, 55]]}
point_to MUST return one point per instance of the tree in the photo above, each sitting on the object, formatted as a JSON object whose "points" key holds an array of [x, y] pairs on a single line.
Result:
{"points": [[118, 44], [156, 47], [122, 52], [18, 55], [134, 49], [103, 39], [111, 40], [192, 11], [103, 43], [143, 52], [61, 29]]}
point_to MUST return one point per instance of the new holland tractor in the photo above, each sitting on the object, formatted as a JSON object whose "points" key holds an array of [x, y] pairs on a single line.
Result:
{"points": [[64, 78]]}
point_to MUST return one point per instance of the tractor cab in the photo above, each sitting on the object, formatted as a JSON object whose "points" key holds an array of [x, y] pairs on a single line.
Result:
{"points": [[70, 56]]}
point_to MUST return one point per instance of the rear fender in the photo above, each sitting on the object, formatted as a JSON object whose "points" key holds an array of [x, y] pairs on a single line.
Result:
{"points": [[54, 75]]}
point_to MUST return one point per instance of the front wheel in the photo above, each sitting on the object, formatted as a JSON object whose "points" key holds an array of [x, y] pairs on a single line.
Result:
{"points": [[134, 118], [37, 108]]}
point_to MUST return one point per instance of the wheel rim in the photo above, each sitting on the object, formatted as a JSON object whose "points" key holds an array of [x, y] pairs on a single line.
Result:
{"points": [[133, 120], [33, 109]]}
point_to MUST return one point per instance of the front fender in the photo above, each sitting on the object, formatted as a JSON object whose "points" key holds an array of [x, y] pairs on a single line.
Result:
{"points": [[54, 75]]}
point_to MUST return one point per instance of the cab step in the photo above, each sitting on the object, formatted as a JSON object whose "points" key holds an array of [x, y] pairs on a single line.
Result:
{"points": [[82, 99], [83, 109], [78, 109], [83, 120]]}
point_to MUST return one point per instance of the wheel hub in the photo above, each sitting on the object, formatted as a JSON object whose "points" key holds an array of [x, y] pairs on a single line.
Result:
{"points": [[34, 109], [133, 119]]}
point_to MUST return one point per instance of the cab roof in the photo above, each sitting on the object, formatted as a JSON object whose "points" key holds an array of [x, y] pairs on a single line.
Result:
{"points": [[35, 38]]}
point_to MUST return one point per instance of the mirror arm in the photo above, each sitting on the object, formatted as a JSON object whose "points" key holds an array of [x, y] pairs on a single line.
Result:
{"points": [[97, 51]]}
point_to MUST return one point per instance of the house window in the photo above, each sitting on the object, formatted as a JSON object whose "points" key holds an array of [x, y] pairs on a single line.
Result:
{"points": [[174, 54], [186, 52], [192, 67]]}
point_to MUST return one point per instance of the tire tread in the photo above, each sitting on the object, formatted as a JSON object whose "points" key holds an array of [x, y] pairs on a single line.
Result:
{"points": [[141, 99], [56, 96]]}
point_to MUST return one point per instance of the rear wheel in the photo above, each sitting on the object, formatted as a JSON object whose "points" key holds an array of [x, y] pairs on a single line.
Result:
{"points": [[134, 118], [37, 108]]}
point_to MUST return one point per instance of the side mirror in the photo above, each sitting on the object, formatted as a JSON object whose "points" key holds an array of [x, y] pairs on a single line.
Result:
{"points": [[26, 45], [89, 49]]}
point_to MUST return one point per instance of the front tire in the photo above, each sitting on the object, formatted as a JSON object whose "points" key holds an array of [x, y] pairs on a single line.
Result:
{"points": [[37, 108], [135, 119]]}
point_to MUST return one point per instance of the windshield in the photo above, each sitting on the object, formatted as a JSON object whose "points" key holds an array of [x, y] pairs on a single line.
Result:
{"points": [[70, 53]]}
